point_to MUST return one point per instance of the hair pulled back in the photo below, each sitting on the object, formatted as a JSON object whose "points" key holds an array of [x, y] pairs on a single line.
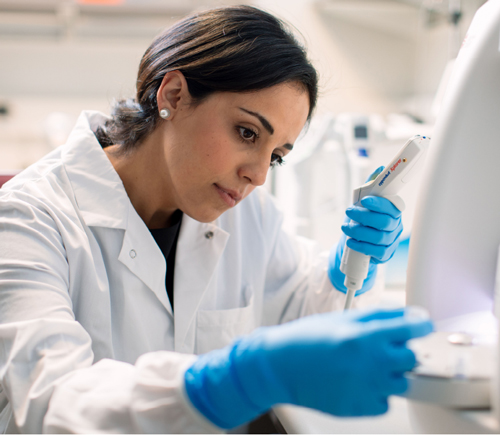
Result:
{"points": [[231, 49]]}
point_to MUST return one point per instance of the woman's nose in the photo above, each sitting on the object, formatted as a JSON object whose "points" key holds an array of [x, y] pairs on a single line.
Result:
{"points": [[255, 172]]}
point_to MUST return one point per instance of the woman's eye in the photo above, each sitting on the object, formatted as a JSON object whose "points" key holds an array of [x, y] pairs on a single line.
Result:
{"points": [[247, 135], [276, 160]]}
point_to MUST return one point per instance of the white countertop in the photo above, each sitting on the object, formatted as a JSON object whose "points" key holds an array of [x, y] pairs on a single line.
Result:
{"points": [[302, 420]]}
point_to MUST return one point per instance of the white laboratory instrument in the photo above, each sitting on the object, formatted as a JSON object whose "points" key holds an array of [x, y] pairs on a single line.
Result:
{"points": [[455, 240], [359, 135], [455, 369], [313, 187], [387, 184]]}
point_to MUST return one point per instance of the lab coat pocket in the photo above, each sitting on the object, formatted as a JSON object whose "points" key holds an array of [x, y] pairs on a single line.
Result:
{"points": [[218, 328]]}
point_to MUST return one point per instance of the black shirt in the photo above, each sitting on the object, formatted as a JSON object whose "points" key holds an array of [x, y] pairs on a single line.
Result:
{"points": [[166, 239]]}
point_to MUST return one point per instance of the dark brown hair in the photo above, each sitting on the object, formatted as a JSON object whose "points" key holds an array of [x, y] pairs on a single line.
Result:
{"points": [[231, 49]]}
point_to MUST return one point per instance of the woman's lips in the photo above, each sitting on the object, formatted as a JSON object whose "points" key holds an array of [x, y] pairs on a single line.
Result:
{"points": [[230, 197]]}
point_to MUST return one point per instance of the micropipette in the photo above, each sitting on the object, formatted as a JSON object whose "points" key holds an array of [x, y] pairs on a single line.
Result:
{"points": [[387, 184]]}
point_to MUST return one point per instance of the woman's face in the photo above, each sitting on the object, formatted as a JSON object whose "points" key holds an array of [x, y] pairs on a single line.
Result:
{"points": [[217, 152]]}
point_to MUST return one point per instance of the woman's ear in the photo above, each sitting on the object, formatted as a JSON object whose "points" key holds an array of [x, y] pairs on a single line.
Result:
{"points": [[172, 93]]}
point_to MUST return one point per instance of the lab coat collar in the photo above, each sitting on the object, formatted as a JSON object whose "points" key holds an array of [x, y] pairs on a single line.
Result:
{"points": [[142, 256], [103, 202], [99, 193]]}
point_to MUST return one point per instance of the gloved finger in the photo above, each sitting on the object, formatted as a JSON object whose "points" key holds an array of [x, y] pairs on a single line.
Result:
{"points": [[397, 385], [374, 236], [388, 383], [372, 402], [373, 219], [365, 405], [377, 314], [402, 329], [379, 253], [387, 255], [380, 205], [375, 174], [401, 359], [381, 406]]}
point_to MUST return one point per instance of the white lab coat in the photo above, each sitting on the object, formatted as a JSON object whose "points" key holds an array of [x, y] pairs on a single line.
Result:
{"points": [[88, 339]]}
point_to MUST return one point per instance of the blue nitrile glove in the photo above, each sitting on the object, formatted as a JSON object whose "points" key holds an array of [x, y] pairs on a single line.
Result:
{"points": [[374, 229], [342, 364]]}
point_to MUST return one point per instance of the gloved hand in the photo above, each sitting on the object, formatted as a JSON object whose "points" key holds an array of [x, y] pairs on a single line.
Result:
{"points": [[342, 364], [374, 229]]}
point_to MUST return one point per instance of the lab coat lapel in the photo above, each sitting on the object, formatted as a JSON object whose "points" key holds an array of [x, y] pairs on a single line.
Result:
{"points": [[143, 257], [100, 196], [199, 249], [103, 202]]}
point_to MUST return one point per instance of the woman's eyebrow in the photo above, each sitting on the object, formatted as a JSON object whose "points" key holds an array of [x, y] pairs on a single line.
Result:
{"points": [[267, 125], [262, 120]]}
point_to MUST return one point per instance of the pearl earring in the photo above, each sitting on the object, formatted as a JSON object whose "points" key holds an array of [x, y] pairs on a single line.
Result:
{"points": [[164, 113]]}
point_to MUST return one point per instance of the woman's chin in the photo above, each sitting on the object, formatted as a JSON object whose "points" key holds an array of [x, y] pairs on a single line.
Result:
{"points": [[204, 216]]}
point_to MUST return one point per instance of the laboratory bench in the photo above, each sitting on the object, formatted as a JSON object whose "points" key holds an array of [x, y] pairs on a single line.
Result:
{"points": [[303, 420]]}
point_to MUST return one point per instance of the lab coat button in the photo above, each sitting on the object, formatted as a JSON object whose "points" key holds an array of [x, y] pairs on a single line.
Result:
{"points": [[209, 235], [132, 253]]}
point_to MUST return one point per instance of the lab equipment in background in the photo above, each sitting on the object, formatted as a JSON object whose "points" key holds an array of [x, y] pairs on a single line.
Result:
{"points": [[356, 138], [359, 134], [395, 272], [454, 18], [314, 187], [454, 42], [456, 234], [311, 187], [386, 184], [454, 370]]}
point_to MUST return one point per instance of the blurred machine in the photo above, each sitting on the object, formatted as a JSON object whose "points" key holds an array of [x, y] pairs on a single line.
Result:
{"points": [[455, 242], [335, 155], [313, 186]]}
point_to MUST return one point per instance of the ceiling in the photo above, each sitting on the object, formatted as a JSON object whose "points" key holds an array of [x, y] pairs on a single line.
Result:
{"points": [[83, 19]]}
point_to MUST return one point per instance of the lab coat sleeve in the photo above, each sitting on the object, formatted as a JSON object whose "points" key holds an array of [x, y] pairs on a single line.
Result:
{"points": [[297, 282], [112, 396], [47, 369]]}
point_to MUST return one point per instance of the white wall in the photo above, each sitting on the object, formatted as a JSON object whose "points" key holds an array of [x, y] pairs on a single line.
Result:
{"points": [[24, 132], [373, 56], [433, 51], [44, 74], [59, 62]]}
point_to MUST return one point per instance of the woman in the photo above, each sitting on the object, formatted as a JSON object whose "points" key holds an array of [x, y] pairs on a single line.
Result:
{"points": [[157, 201]]}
